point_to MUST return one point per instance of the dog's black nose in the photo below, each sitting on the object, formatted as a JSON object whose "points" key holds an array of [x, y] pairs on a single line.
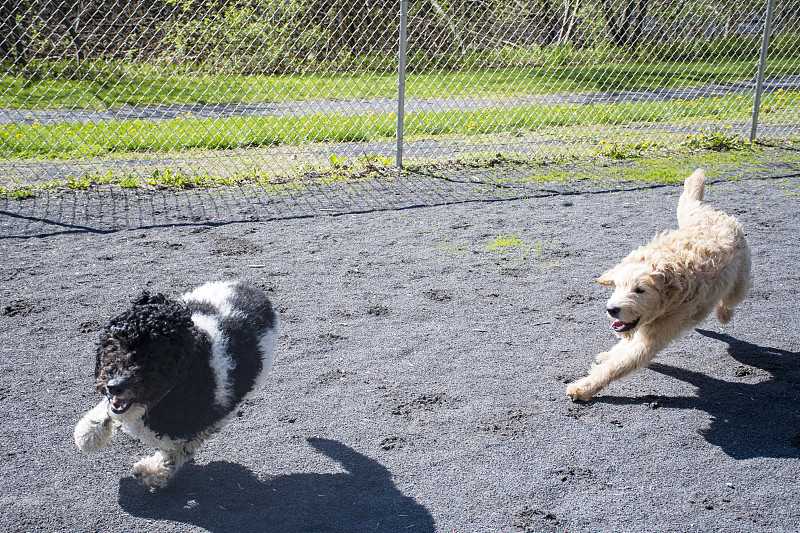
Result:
{"points": [[613, 311], [117, 386]]}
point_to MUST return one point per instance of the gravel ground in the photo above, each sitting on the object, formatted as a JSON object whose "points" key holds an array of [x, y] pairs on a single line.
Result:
{"points": [[420, 375]]}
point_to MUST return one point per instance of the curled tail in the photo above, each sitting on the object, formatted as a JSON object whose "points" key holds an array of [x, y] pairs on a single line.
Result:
{"points": [[692, 197]]}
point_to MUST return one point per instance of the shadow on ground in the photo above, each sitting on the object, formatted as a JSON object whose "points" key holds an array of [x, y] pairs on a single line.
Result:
{"points": [[748, 419], [223, 496], [106, 209]]}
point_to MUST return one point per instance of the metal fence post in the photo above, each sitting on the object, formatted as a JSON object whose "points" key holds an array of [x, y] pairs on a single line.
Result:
{"points": [[401, 81], [762, 63]]}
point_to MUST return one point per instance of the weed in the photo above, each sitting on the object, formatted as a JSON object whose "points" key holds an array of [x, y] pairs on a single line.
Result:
{"points": [[505, 242], [128, 182], [337, 162], [375, 161], [177, 180], [715, 140], [78, 184], [629, 150], [658, 167], [22, 193]]}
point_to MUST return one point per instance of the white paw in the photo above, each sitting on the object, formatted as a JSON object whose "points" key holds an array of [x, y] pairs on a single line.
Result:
{"points": [[602, 356], [582, 390], [94, 431], [154, 471]]}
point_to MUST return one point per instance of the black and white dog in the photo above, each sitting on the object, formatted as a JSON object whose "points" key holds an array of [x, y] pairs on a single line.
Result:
{"points": [[174, 371]]}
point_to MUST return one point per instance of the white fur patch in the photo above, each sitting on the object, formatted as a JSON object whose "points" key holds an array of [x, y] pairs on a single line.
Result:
{"points": [[221, 362], [93, 431], [217, 293], [136, 428], [266, 347]]}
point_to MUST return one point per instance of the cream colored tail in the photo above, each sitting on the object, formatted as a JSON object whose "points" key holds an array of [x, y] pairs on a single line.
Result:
{"points": [[692, 196]]}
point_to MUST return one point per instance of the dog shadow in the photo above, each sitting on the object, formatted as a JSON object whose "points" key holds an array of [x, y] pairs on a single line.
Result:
{"points": [[748, 420], [223, 496]]}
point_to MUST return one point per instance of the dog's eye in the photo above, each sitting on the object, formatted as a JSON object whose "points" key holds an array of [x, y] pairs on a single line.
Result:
{"points": [[638, 290]]}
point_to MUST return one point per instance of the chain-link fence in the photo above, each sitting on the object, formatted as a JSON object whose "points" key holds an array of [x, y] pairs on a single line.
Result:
{"points": [[194, 92]]}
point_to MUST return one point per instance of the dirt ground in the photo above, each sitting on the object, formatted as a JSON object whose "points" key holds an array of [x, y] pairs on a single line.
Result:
{"points": [[420, 376]]}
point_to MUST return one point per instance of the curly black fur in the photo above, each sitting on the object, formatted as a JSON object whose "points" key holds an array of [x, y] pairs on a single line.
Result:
{"points": [[151, 315], [154, 338], [154, 354], [174, 371]]}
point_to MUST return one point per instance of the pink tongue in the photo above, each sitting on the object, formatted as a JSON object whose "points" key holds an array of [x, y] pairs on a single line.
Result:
{"points": [[617, 325], [117, 402]]}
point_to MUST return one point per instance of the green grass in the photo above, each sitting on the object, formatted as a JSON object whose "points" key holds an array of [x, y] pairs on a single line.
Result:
{"points": [[582, 78], [177, 179], [660, 167], [76, 140], [65, 141], [150, 86], [675, 167], [103, 85]]}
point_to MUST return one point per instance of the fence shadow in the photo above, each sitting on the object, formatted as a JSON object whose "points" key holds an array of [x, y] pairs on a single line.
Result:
{"points": [[108, 210], [223, 496], [748, 419]]}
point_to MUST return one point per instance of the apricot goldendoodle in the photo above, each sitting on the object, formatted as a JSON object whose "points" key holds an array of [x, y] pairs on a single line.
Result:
{"points": [[671, 285]]}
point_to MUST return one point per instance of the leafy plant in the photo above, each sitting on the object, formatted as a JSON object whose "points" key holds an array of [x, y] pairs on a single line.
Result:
{"points": [[716, 140], [22, 193], [627, 151], [128, 182], [337, 162], [169, 179], [375, 161], [81, 184]]}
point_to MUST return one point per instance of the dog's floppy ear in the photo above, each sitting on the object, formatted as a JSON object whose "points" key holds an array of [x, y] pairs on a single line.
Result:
{"points": [[606, 278], [673, 283], [659, 280]]}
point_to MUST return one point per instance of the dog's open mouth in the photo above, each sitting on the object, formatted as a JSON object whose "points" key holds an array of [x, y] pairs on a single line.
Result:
{"points": [[620, 327], [119, 405]]}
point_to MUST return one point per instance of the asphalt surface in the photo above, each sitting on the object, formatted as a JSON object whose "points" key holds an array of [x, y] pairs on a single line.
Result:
{"points": [[421, 369]]}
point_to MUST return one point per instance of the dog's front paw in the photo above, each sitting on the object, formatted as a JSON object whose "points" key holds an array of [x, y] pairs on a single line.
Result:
{"points": [[154, 472], [582, 390], [93, 432], [602, 356]]}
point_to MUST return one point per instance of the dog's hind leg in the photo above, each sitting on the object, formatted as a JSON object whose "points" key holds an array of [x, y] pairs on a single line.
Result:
{"points": [[737, 293]]}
